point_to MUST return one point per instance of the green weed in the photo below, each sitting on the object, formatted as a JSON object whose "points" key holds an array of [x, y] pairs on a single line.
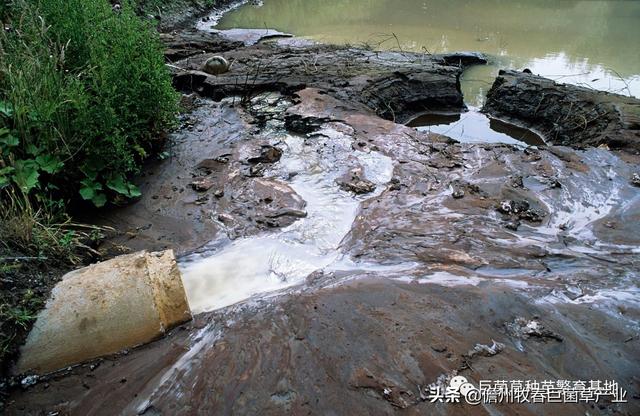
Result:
{"points": [[84, 93]]}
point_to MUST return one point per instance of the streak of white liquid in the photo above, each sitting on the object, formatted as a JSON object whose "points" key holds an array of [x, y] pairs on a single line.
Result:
{"points": [[267, 263]]}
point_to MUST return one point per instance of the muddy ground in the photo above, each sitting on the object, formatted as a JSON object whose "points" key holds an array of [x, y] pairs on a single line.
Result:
{"points": [[465, 250]]}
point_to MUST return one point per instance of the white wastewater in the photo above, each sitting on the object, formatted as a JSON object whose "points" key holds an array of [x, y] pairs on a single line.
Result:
{"points": [[270, 262]]}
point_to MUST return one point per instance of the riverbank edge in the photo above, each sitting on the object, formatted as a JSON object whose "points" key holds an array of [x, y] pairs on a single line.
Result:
{"points": [[187, 19]]}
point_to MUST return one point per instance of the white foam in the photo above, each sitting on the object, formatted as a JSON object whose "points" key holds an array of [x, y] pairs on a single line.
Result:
{"points": [[271, 262]]}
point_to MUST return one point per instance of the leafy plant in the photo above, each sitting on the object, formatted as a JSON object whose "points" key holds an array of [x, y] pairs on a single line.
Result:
{"points": [[83, 94]]}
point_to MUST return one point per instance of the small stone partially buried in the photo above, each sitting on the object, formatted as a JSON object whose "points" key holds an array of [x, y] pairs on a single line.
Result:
{"points": [[358, 186], [202, 184]]}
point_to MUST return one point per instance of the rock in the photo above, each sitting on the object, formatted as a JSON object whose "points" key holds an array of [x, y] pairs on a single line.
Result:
{"points": [[635, 179], [532, 215], [524, 329], [249, 37], [104, 308], [225, 219], [460, 188], [353, 182], [267, 154], [29, 381], [202, 200], [202, 184], [257, 170], [361, 186], [520, 210], [216, 65], [513, 207], [303, 125], [395, 186], [485, 350], [394, 85], [298, 213], [512, 225], [566, 114], [270, 203], [532, 155], [189, 43], [188, 102], [516, 181], [457, 194], [439, 348], [464, 59]]}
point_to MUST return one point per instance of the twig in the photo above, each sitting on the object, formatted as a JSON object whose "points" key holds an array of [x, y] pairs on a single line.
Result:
{"points": [[7, 259]]}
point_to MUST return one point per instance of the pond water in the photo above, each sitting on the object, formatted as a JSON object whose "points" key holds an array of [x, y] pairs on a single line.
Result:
{"points": [[589, 43], [475, 127]]}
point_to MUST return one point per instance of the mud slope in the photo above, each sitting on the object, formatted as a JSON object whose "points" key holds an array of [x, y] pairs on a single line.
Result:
{"points": [[491, 261], [426, 279]]}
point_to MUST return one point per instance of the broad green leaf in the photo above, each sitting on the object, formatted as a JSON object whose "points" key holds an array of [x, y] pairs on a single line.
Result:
{"points": [[49, 163], [117, 184], [6, 109], [87, 193], [7, 170], [140, 151], [90, 172], [5, 176], [89, 189], [26, 174], [9, 140], [91, 183], [134, 191], [122, 187], [33, 150], [99, 200]]}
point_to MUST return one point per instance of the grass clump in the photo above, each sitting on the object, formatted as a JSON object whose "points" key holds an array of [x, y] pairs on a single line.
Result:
{"points": [[37, 247], [84, 98], [84, 93]]}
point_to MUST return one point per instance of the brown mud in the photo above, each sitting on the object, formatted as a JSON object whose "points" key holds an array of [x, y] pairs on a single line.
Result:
{"points": [[466, 245], [395, 85], [180, 14]]}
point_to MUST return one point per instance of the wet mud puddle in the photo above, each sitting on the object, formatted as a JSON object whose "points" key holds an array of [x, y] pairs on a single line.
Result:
{"points": [[269, 262], [475, 127]]}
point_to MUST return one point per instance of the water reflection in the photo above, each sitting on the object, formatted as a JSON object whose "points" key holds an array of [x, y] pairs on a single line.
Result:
{"points": [[594, 43], [475, 127]]}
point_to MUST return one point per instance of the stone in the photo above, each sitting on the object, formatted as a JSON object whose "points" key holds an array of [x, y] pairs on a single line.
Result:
{"points": [[267, 154], [358, 186], [216, 65], [202, 184], [457, 194], [568, 115]]}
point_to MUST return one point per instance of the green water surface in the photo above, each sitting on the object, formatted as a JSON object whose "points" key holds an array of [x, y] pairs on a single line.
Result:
{"points": [[590, 43]]}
